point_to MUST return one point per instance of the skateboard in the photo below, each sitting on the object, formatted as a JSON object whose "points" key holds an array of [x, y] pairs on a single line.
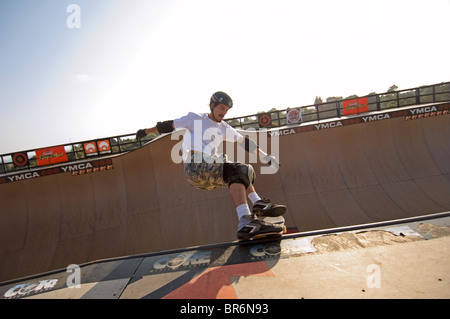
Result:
{"points": [[274, 220]]}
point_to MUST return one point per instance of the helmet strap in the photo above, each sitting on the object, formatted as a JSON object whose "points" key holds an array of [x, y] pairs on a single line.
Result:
{"points": [[212, 112]]}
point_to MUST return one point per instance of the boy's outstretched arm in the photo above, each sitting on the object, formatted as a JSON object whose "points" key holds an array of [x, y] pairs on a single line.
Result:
{"points": [[250, 146], [160, 128]]}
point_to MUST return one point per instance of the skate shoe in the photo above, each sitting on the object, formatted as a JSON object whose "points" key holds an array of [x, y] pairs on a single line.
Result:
{"points": [[264, 208], [256, 227]]}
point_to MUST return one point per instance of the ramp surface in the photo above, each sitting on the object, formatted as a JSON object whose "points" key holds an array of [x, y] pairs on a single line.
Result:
{"points": [[397, 260], [332, 176]]}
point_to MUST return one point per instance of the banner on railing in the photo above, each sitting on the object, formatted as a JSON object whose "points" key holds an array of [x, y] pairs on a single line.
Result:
{"points": [[76, 169], [94, 148], [20, 159], [264, 120], [51, 155], [104, 146], [90, 148], [294, 115], [355, 106]]}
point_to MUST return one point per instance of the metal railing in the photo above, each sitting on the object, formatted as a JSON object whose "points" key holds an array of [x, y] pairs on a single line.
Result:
{"points": [[376, 102], [276, 118], [74, 152]]}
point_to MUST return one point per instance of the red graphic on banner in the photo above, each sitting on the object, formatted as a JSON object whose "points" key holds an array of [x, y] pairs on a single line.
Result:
{"points": [[104, 146], [20, 159], [264, 120], [294, 115], [51, 155], [93, 148], [355, 106], [90, 148]]}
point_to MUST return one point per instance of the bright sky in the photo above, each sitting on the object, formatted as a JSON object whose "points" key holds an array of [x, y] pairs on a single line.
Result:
{"points": [[132, 63]]}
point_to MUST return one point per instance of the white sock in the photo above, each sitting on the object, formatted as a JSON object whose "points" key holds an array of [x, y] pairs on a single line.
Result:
{"points": [[254, 197], [244, 215], [243, 210]]}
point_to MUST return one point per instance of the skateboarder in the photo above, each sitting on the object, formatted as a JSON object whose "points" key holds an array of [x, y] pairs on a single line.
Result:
{"points": [[206, 169]]}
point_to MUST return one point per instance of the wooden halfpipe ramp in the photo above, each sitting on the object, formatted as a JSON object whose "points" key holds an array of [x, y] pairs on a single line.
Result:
{"points": [[381, 168]]}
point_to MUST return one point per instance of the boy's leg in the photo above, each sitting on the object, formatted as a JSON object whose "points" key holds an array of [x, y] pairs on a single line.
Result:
{"points": [[248, 225], [261, 207], [209, 176], [238, 194]]}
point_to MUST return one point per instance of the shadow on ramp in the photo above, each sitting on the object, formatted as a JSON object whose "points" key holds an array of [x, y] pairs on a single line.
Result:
{"points": [[203, 274]]}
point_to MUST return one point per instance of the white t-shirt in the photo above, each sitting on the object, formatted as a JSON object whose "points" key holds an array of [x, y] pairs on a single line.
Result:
{"points": [[203, 134]]}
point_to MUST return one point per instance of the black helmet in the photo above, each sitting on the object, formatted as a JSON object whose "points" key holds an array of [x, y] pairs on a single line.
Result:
{"points": [[220, 98]]}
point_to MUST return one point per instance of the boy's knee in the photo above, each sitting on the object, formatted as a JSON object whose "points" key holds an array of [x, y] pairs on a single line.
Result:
{"points": [[239, 173]]}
